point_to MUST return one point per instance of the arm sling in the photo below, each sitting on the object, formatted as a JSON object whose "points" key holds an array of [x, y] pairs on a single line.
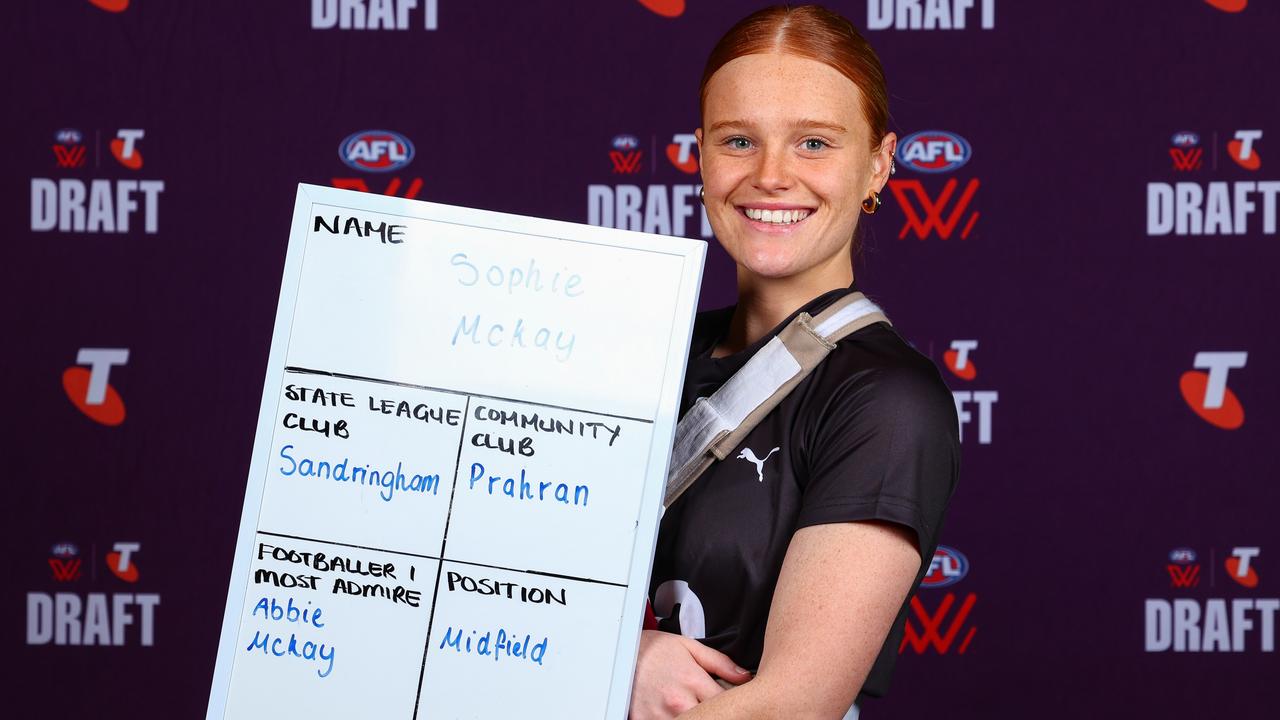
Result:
{"points": [[715, 425]]}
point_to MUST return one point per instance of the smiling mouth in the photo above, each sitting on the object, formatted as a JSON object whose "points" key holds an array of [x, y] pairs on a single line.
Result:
{"points": [[776, 217]]}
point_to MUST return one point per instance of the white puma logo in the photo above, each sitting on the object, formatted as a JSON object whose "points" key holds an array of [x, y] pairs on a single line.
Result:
{"points": [[750, 457]]}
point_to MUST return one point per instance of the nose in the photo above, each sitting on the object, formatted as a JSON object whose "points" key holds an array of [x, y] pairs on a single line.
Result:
{"points": [[773, 170]]}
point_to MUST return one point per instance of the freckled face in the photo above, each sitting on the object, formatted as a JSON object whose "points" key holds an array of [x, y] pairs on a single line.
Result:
{"points": [[786, 162]]}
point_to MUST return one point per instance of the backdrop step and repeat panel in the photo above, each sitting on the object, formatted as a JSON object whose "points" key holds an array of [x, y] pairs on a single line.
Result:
{"points": [[1082, 235]]}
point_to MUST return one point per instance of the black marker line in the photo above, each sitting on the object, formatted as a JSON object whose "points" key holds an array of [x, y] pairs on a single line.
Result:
{"points": [[345, 376], [431, 618], [334, 542], [536, 572], [504, 229]]}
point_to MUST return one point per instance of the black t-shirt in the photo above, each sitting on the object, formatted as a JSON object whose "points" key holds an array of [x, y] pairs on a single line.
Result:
{"points": [[870, 434]]}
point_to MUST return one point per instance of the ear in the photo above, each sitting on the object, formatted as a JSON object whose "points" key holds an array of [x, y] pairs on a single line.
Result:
{"points": [[697, 136], [882, 161]]}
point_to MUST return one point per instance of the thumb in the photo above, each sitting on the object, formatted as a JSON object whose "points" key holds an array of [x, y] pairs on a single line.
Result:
{"points": [[717, 663]]}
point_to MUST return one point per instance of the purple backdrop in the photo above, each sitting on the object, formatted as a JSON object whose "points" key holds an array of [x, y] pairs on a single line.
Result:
{"points": [[1090, 264]]}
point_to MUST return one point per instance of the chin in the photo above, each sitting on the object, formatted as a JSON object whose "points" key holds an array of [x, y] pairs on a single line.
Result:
{"points": [[771, 267]]}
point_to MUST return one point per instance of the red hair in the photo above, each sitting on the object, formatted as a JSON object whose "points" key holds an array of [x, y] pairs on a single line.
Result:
{"points": [[815, 33]]}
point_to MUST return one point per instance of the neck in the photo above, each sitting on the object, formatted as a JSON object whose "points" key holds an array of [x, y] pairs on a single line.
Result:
{"points": [[763, 303]]}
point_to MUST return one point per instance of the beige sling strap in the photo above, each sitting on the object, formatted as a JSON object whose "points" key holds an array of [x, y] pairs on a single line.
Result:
{"points": [[714, 426]]}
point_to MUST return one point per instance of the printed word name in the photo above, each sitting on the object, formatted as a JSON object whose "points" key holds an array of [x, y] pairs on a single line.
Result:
{"points": [[393, 234]]}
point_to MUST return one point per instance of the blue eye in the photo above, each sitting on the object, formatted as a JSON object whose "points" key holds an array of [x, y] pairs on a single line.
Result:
{"points": [[814, 144], [738, 143]]}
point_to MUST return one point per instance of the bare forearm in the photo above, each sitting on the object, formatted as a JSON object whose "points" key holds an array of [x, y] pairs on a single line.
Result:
{"points": [[747, 702], [759, 700]]}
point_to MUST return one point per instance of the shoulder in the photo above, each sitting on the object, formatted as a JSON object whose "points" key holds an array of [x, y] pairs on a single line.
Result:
{"points": [[877, 375], [708, 327], [880, 437]]}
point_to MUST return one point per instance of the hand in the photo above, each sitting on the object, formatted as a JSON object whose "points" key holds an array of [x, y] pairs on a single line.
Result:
{"points": [[674, 674]]}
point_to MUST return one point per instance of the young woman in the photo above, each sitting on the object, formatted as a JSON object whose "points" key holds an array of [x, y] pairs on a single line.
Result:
{"points": [[783, 573]]}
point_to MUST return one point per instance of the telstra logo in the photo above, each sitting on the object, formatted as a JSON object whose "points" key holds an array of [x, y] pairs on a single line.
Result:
{"points": [[115, 6], [1231, 6], [665, 8], [89, 389], [958, 361], [1207, 393], [1241, 149]]}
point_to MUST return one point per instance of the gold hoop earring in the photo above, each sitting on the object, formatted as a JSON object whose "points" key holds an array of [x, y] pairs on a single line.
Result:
{"points": [[872, 203]]}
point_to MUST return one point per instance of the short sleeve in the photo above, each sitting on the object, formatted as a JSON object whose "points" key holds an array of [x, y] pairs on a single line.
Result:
{"points": [[884, 446]]}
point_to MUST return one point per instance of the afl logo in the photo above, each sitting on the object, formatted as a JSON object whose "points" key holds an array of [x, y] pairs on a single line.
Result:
{"points": [[934, 151], [1185, 138], [68, 136], [948, 567], [625, 142], [376, 151], [64, 550], [1182, 556]]}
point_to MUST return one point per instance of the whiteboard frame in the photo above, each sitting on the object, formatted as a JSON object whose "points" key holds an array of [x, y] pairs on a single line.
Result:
{"points": [[641, 564]]}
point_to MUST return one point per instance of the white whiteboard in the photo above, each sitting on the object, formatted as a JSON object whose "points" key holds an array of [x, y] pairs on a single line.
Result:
{"points": [[456, 479]]}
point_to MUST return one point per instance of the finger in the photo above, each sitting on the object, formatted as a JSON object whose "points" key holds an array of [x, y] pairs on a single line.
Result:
{"points": [[717, 663], [704, 687]]}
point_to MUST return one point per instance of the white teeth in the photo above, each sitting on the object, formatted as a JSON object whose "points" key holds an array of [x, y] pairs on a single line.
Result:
{"points": [[777, 217]]}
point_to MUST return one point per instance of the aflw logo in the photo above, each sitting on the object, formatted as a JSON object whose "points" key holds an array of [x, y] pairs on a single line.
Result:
{"points": [[1185, 153], [933, 152], [626, 154], [933, 633], [1207, 393], [1184, 576], [68, 150], [64, 562], [941, 629], [377, 151], [1184, 571]]}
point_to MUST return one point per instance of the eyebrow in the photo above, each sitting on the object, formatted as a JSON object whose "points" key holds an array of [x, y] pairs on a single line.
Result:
{"points": [[802, 123]]}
